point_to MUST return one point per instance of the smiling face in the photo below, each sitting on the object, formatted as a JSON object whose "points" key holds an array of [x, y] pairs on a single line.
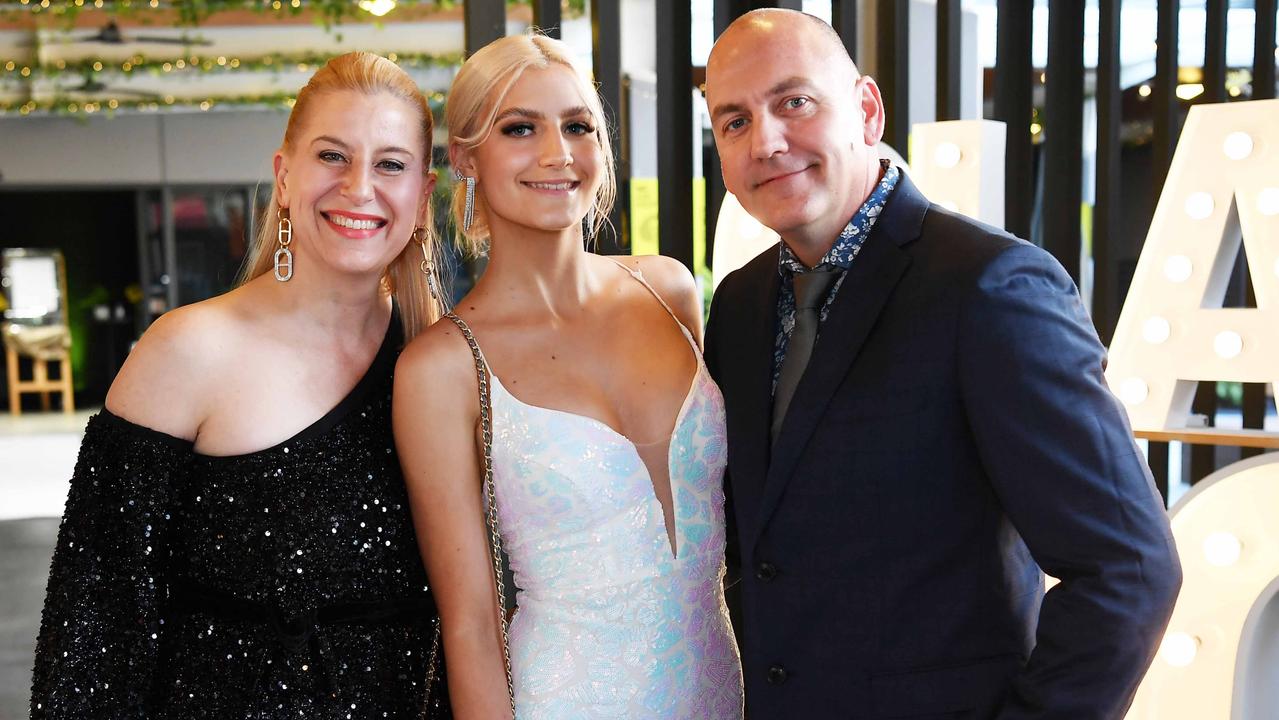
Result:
{"points": [[794, 124], [355, 180], [541, 165]]}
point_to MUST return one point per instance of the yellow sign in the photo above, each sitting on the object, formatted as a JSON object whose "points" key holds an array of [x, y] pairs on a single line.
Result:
{"points": [[644, 223]]}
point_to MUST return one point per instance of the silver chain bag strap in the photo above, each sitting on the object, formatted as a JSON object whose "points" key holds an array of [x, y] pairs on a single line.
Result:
{"points": [[495, 539]]}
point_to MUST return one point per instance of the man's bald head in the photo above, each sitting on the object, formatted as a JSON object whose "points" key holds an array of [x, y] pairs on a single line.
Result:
{"points": [[782, 25], [796, 125]]}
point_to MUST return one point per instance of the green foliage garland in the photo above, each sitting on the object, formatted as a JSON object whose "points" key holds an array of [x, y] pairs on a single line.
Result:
{"points": [[193, 12]]}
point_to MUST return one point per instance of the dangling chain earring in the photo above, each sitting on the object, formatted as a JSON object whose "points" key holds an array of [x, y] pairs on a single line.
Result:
{"points": [[283, 255], [428, 268], [468, 213]]}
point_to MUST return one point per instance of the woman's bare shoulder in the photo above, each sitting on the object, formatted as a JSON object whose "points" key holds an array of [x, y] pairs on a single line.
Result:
{"points": [[674, 283], [437, 367], [175, 367]]}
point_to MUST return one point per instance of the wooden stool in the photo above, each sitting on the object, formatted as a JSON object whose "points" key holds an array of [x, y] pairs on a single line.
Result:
{"points": [[40, 382]]}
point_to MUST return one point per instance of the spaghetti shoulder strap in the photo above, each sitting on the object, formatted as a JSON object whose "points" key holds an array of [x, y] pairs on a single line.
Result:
{"points": [[639, 275]]}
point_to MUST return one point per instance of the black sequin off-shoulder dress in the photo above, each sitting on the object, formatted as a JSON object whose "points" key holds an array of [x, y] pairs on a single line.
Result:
{"points": [[285, 583]]}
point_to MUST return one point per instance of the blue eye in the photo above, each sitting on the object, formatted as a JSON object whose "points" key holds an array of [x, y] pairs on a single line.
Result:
{"points": [[735, 124], [796, 102], [518, 130], [579, 128], [331, 156]]}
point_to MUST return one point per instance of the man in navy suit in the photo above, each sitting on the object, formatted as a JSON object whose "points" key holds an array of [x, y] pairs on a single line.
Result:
{"points": [[917, 423]]}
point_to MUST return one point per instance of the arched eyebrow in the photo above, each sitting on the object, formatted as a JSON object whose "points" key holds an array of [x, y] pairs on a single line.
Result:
{"points": [[539, 115], [785, 86], [335, 141]]}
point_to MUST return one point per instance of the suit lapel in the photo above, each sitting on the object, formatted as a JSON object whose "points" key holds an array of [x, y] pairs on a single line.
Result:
{"points": [[748, 381], [862, 296]]}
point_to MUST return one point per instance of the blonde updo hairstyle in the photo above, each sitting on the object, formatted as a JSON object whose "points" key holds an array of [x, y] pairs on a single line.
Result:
{"points": [[475, 99], [368, 74]]}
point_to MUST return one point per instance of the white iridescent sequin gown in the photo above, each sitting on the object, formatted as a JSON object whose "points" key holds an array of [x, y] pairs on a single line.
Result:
{"points": [[609, 623]]}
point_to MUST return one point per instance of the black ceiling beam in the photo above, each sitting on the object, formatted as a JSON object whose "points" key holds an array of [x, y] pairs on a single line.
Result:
{"points": [[843, 16], [950, 20], [1164, 109], [485, 21], [547, 17], [1215, 50], [1263, 59], [1109, 182], [1063, 134], [1014, 105], [893, 74], [675, 131], [606, 57]]}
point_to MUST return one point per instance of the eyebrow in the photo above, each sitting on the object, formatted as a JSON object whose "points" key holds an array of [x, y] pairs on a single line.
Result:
{"points": [[387, 149], [538, 115], [784, 86]]}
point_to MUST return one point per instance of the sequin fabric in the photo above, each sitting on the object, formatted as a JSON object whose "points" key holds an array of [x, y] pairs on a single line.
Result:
{"points": [[838, 259], [609, 623], [318, 521]]}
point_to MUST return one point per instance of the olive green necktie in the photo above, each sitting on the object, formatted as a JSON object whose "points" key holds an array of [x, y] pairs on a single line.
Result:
{"points": [[811, 289]]}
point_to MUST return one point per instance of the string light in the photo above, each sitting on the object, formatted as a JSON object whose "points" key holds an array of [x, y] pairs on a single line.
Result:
{"points": [[1179, 649], [1222, 549], [1237, 146], [222, 64], [1178, 268], [1227, 344], [330, 13], [1199, 205], [377, 8], [1134, 391], [1156, 330]]}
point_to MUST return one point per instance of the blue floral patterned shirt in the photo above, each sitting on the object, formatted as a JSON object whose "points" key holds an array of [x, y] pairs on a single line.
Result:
{"points": [[837, 259]]}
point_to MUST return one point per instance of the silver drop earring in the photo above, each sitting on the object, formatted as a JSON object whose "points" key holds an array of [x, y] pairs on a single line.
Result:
{"points": [[283, 255], [468, 213], [428, 268]]}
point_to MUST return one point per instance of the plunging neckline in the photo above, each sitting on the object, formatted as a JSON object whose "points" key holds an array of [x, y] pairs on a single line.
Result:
{"points": [[672, 533], [679, 416]]}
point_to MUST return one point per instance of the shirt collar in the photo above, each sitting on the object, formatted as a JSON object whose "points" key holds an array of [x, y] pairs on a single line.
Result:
{"points": [[850, 239]]}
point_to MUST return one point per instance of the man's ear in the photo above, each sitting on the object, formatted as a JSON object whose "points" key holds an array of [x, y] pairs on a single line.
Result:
{"points": [[872, 107], [281, 176]]}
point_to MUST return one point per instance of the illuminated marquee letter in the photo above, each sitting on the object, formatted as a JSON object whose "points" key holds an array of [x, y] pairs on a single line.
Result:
{"points": [[1218, 659], [1173, 332], [959, 164]]}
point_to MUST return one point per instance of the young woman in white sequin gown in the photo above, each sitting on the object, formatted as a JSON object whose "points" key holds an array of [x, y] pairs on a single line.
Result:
{"points": [[608, 443]]}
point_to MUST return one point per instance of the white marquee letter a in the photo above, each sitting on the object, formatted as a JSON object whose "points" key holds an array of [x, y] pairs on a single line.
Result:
{"points": [[1173, 332]]}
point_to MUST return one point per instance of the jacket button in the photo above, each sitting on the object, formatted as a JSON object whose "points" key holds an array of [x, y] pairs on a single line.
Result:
{"points": [[766, 571], [776, 675]]}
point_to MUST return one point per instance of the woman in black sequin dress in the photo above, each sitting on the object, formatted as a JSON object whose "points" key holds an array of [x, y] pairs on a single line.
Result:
{"points": [[224, 553]]}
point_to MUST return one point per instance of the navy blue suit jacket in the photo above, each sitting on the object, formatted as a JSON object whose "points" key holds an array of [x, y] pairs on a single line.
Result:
{"points": [[952, 434]]}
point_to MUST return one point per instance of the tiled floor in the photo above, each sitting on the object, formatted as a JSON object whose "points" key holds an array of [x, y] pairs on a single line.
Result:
{"points": [[25, 549], [37, 455]]}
